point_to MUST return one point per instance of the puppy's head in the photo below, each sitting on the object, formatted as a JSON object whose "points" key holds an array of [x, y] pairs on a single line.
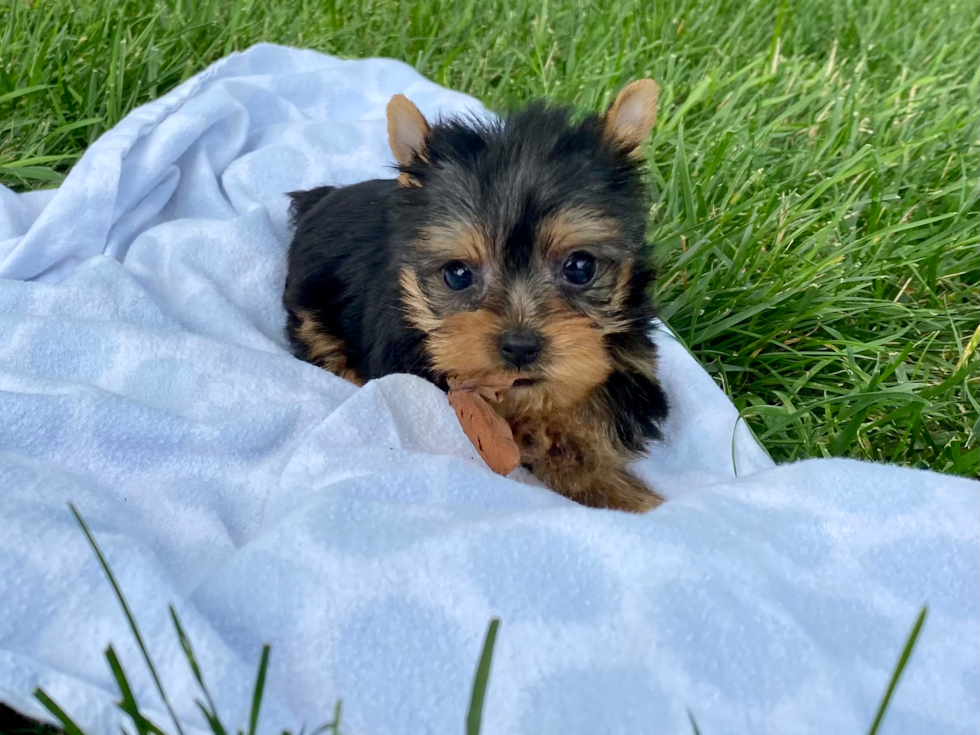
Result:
{"points": [[524, 240]]}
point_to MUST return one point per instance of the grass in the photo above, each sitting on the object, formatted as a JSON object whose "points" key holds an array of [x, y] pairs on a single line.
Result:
{"points": [[815, 167]]}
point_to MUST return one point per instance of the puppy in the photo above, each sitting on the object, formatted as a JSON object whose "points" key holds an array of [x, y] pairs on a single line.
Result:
{"points": [[512, 249]]}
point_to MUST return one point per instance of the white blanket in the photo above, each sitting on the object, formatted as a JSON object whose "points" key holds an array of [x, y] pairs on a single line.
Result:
{"points": [[144, 377]]}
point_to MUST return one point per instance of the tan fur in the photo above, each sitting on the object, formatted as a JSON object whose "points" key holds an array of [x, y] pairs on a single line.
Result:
{"points": [[407, 130], [565, 434], [577, 360], [406, 181], [573, 453], [326, 350], [622, 290], [573, 228], [632, 116], [465, 344], [419, 312], [455, 241]]}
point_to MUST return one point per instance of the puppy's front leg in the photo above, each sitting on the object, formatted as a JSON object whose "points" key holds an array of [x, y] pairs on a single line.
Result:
{"points": [[582, 465]]}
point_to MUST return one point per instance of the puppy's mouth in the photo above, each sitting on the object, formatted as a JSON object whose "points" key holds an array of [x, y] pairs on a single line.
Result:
{"points": [[500, 383]]}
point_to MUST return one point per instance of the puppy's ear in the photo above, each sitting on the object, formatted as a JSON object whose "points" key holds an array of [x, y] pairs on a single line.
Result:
{"points": [[406, 132], [632, 116]]}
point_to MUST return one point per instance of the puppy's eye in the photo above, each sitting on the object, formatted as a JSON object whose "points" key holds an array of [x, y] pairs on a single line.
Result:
{"points": [[579, 269], [457, 275]]}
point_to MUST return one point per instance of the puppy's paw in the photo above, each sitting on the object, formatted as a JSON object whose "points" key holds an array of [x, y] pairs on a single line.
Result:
{"points": [[533, 441], [620, 490]]}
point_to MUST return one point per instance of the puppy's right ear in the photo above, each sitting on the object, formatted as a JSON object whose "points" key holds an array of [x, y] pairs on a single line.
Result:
{"points": [[406, 134]]}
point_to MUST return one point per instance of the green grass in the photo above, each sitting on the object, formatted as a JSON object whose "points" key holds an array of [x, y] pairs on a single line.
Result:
{"points": [[816, 165]]}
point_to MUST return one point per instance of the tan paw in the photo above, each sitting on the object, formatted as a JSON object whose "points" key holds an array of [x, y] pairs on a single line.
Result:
{"points": [[532, 439]]}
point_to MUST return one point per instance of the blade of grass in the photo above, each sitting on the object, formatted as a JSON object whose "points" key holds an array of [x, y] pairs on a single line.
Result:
{"points": [[128, 702], [899, 668], [129, 617], [210, 714], [9, 96], [210, 717], [59, 714], [474, 717], [694, 723], [253, 717], [333, 726], [337, 712]]}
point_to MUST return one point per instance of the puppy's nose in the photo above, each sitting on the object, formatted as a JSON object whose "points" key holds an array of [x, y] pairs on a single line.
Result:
{"points": [[519, 347]]}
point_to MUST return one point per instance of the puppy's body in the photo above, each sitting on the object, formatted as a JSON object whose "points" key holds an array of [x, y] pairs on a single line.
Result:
{"points": [[343, 285], [512, 249]]}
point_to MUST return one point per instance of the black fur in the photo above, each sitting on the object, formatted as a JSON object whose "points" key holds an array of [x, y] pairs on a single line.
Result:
{"points": [[343, 270], [303, 201], [638, 405]]}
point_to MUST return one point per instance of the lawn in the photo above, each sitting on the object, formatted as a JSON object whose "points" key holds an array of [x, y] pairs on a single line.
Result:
{"points": [[815, 169]]}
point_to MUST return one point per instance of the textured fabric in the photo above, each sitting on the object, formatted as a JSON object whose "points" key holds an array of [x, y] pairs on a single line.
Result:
{"points": [[144, 377]]}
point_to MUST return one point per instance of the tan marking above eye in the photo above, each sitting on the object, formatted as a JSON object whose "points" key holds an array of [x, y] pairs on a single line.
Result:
{"points": [[573, 229], [451, 241]]}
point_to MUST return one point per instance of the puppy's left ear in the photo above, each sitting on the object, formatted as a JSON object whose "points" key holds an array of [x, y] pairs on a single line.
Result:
{"points": [[632, 116], [407, 130]]}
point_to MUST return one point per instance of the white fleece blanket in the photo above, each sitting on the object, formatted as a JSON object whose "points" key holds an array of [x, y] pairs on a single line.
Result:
{"points": [[144, 377]]}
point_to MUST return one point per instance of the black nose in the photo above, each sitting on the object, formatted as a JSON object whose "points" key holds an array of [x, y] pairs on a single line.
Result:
{"points": [[519, 347]]}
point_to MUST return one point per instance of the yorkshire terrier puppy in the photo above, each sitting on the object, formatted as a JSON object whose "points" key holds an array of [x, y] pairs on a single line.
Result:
{"points": [[512, 249]]}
